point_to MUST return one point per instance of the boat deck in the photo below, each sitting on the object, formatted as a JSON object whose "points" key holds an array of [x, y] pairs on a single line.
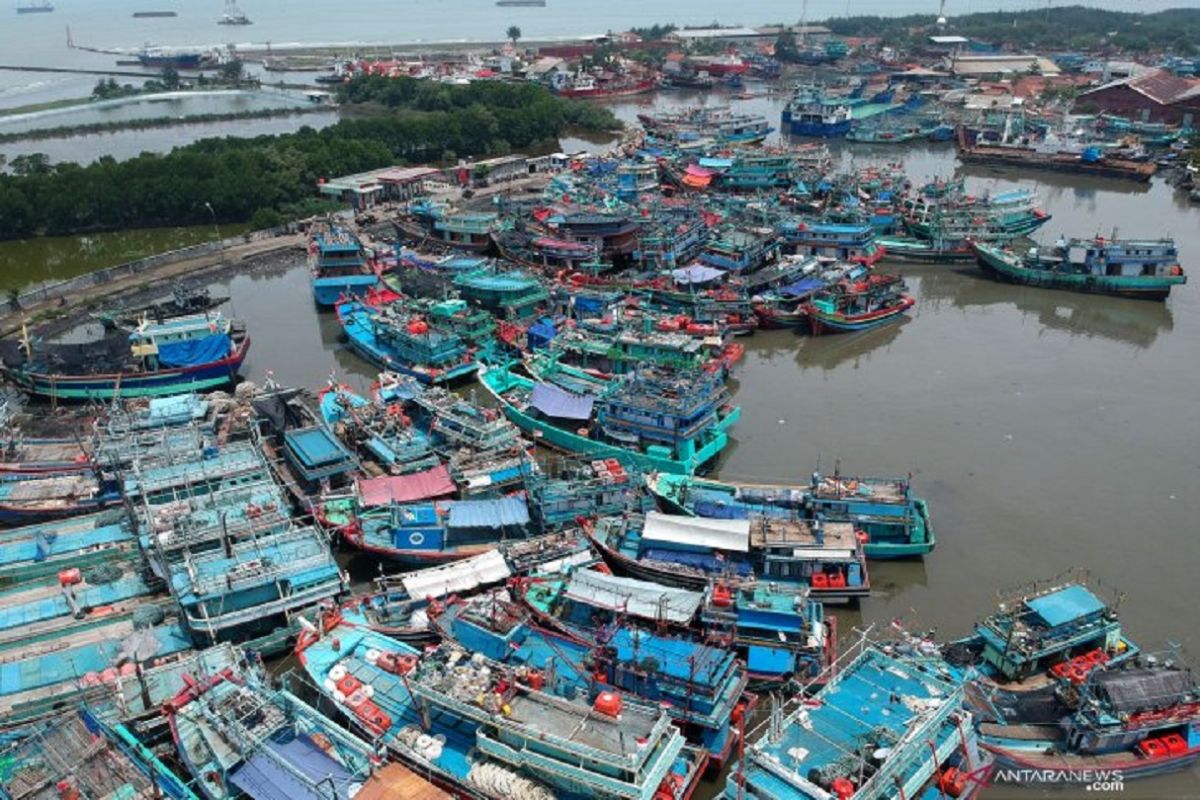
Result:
{"points": [[773, 532], [618, 737]]}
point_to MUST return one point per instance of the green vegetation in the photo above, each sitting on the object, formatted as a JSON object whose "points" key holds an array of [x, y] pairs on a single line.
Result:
{"points": [[1067, 28], [400, 120], [513, 34], [654, 33], [109, 89]]}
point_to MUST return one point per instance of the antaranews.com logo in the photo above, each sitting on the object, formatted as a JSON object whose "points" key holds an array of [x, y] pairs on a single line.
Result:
{"points": [[1091, 780]]}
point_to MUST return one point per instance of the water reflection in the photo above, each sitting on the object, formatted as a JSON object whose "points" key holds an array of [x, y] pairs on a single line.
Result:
{"points": [[1134, 322], [829, 352]]}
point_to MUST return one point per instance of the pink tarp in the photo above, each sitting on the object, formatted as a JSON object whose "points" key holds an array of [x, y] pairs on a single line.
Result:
{"points": [[406, 488]]}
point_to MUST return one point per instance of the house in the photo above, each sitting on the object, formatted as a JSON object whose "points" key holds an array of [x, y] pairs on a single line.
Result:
{"points": [[367, 189], [1153, 96]]}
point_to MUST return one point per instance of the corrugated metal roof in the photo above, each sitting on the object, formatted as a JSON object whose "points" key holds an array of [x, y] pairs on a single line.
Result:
{"points": [[1066, 605], [1159, 85], [721, 534], [460, 576], [507, 512], [433, 482], [638, 598]]}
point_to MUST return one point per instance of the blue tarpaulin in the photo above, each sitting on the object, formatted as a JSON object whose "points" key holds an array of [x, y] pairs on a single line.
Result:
{"points": [[264, 777], [507, 512], [716, 163], [1066, 605], [195, 352], [696, 273], [540, 333], [555, 402], [802, 287]]}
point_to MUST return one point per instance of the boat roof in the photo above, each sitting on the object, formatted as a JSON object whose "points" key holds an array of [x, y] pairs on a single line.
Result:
{"points": [[505, 512], [631, 596], [1132, 690], [1065, 605], [720, 534], [556, 402], [457, 577], [434, 482]]}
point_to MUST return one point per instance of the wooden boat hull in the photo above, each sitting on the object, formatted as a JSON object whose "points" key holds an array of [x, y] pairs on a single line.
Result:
{"points": [[159, 383], [820, 323], [1007, 267], [1039, 755]]}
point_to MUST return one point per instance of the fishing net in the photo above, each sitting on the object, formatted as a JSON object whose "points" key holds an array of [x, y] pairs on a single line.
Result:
{"points": [[102, 574], [147, 616]]}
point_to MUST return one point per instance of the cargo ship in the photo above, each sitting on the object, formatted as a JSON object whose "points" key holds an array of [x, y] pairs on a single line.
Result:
{"points": [[1090, 161]]}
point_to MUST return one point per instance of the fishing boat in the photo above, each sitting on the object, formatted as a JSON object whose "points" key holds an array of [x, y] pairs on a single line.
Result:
{"points": [[702, 688], [239, 737], [1138, 268], [24, 456], [430, 532], [926, 251], [339, 265], [40, 498], [508, 294], [890, 720], [739, 250], [841, 241], [1059, 687], [947, 213], [176, 356], [662, 420], [1008, 151], [691, 552], [892, 522], [47, 675], [574, 490], [35, 7], [77, 754], [425, 221], [582, 85], [184, 300], [383, 433], [307, 455], [254, 586], [849, 307], [394, 340], [400, 605], [814, 113], [476, 728], [34, 551]]}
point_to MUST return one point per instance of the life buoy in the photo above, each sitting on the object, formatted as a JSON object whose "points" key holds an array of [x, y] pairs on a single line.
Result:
{"points": [[416, 538]]}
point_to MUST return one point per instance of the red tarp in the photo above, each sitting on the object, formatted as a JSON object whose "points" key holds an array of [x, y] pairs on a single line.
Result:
{"points": [[406, 488]]}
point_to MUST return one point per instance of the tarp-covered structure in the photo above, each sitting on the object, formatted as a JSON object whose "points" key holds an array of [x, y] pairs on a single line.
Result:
{"points": [[430, 483], [554, 401], [1133, 690], [630, 596], [697, 532], [696, 273], [506, 512], [457, 577]]}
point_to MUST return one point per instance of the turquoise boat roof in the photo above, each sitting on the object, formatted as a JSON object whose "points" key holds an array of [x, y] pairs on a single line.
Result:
{"points": [[40, 547], [1066, 605], [316, 447]]}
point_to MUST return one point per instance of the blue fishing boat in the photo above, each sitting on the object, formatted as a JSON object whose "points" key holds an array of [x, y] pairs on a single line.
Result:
{"points": [[1060, 690], [890, 721], [35, 551], [394, 341], [238, 737], [41, 677], [664, 420], [841, 241], [78, 755], [1139, 268], [426, 533], [339, 265], [892, 521], [253, 586], [428, 221], [702, 688], [382, 433], [508, 294], [574, 490], [691, 552], [859, 305], [475, 728], [180, 355]]}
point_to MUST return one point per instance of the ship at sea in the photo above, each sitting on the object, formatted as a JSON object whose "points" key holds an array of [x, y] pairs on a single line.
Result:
{"points": [[233, 15], [33, 7]]}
